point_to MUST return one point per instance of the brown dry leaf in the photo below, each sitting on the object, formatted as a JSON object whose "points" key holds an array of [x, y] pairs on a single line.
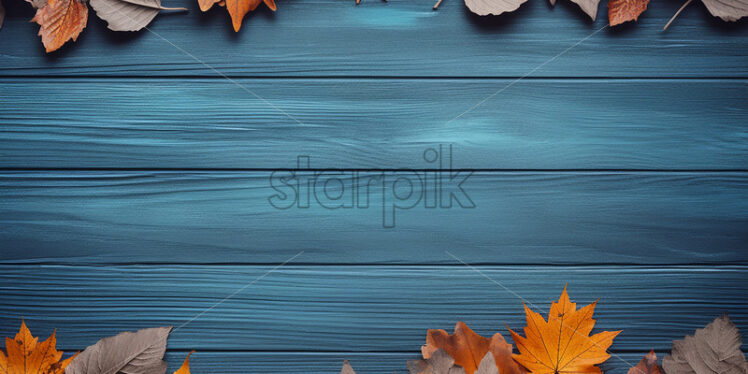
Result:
{"points": [[713, 349], [24, 355], [648, 365], [562, 344], [60, 21], [620, 11], [237, 8], [468, 349], [185, 369]]}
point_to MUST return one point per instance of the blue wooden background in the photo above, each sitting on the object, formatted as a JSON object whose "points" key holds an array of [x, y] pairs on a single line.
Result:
{"points": [[134, 180]]}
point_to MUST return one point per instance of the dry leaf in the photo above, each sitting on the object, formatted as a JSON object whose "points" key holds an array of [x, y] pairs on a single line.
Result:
{"points": [[620, 11], [587, 6], [728, 10], [713, 349], [492, 7], [139, 352], [648, 365], [60, 21], [185, 369], [347, 369], [439, 363], [468, 349], [562, 344], [128, 15], [237, 8], [24, 355]]}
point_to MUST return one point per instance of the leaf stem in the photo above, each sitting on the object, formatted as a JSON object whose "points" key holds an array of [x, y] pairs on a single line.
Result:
{"points": [[436, 6], [676, 14]]}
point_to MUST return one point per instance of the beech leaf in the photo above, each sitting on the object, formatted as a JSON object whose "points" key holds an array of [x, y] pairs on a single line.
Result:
{"points": [[139, 352], [128, 15], [713, 349], [492, 7], [648, 365], [60, 21], [620, 11]]}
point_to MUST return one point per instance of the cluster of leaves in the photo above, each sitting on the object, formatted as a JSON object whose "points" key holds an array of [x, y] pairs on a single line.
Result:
{"points": [[63, 20], [563, 345], [129, 352]]}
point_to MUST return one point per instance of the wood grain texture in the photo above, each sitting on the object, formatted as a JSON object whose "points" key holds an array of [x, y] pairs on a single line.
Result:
{"points": [[518, 218], [356, 308], [400, 38], [381, 124]]}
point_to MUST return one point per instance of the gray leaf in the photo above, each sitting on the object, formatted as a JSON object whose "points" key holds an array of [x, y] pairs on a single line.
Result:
{"points": [[488, 365], [140, 352], [128, 15], [493, 7], [713, 349], [439, 363], [728, 10], [347, 369]]}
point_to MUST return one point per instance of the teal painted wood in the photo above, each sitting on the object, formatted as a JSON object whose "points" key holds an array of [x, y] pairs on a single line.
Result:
{"points": [[519, 218], [357, 308], [382, 124], [400, 38]]}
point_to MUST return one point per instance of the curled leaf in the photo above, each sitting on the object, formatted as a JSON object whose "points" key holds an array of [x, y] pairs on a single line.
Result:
{"points": [[648, 365], [129, 352], [492, 7], [128, 15], [620, 11], [60, 21], [713, 349]]}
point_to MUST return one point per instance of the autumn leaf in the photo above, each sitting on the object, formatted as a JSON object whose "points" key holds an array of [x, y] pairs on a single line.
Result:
{"points": [[237, 8], [185, 369], [491, 7], [713, 349], [727, 10], [587, 6], [24, 355], [562, 344], [128, 352], [60, 21], [620, 11], [648, 365], [128, 15], [468, 349]]}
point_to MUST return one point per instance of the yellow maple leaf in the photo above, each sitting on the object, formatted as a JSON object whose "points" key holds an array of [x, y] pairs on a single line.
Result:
{"points": [[24, 355], [562, 344]]}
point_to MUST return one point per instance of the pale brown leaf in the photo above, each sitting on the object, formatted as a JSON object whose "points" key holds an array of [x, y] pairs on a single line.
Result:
{"points": [[728, 10], [493, 7], [128, 15], [347, 369], [712, 349], [139, 352]]}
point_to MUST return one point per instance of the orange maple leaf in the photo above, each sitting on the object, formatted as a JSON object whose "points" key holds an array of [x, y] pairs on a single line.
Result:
{"points": [[562, 344], [467, 348], [60, 21], [620, 11], [185, 369], [24, 355], [237, 8]]}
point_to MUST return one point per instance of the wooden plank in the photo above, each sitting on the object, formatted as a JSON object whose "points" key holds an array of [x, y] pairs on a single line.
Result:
{"points": [[400, 38], [381, 124], [357, 308], [321, 363], [244, 217]]}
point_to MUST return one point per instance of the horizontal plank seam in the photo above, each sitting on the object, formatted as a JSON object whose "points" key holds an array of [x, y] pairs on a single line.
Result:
{"points": [[38, 77], [741, 266], [373, 170]]}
